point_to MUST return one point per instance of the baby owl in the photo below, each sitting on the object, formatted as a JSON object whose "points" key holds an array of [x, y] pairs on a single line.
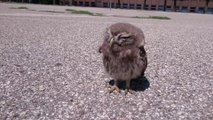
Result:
{"points": [[124, 56]]}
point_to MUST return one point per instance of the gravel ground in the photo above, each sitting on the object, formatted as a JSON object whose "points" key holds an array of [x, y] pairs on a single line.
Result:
{"points": [[50, 68]]}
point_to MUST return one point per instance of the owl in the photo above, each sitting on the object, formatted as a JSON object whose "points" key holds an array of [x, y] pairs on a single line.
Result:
{"points": [[123, 54]]}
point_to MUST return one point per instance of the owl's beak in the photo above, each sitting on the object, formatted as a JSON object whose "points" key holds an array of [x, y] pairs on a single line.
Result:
{"points": [[111, 42]]}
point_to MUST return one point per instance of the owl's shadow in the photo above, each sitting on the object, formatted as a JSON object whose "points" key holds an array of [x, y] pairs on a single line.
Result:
{"points": [[139, 84]]}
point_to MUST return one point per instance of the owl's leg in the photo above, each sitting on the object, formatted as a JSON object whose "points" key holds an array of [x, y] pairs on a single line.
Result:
{"points": [[114, 87], [127, 90]]}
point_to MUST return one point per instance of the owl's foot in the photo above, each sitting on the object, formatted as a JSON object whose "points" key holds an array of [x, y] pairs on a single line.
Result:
{"points": [[114, 88], [128, 91]]}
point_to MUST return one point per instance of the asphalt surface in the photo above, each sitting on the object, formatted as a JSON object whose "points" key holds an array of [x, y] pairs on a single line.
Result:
{"points": [[50, 68]]}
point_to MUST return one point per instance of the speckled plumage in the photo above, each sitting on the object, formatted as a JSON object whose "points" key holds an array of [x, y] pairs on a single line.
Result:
{"points": [[124, 56]]}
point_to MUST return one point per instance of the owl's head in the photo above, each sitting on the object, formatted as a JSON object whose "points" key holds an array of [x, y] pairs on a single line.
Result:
{"points": [[123, 36], [119, 39]]}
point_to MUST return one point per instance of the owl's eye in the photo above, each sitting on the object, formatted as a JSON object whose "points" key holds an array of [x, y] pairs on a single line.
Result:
{"points": [[125, 41], [121, 40]]}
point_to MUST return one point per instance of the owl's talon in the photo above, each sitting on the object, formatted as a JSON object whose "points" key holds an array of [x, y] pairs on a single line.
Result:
{"points": [[114, 88], [128, 91]]}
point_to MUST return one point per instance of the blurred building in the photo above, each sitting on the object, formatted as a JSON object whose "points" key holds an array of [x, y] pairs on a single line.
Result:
{"points": [[164, 5], [201, 6]]}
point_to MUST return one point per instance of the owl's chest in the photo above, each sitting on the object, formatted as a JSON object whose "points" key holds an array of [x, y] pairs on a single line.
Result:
{"points": [[121, 67]]}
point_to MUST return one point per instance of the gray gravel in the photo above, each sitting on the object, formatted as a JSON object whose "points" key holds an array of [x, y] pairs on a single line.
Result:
{"points": [[50, 68]]}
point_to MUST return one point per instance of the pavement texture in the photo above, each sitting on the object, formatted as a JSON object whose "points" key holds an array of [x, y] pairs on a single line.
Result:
{"points": [[50, 68]]}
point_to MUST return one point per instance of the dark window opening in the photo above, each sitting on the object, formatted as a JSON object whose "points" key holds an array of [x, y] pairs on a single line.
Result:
{"points": [[153, 7], [81, 3], [112, 5], [93, 4], [138, 6], [86, 3], [74, 3], [117, 5], [210, 10], [132, 6], [184, 9], [201, 9], [146, 7], [177, 8], [192, 9], [160, 7], [168, 8], [125, 5], [105, 4]]}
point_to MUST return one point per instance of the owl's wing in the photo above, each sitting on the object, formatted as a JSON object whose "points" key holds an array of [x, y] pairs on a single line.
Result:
{"points": [[143, 57], [104, 48]]}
